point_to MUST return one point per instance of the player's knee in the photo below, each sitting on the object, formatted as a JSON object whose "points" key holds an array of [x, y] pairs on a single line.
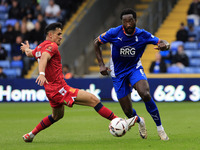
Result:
{"points": [[93, 100], [58, 117], [146, 96]]}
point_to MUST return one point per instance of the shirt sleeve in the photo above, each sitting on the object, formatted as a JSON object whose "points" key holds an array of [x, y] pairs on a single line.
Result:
{"points": [[51, 49], [150, 38], [34, 51], [106, 36]]}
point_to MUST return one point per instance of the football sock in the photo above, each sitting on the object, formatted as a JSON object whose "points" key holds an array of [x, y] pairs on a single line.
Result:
{"points": [[104, 112], [46, 122], [153, 111], [134, 114], [160, 128], [31, 134], [141, 121]]}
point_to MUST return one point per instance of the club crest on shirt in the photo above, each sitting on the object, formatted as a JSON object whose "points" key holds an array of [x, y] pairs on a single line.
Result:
{"points": [[49, 48], [72, 90], [127, 51], [38, 54]]}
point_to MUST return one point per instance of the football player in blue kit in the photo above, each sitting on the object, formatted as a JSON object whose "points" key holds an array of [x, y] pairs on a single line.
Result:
{"points": [[127, 46]]}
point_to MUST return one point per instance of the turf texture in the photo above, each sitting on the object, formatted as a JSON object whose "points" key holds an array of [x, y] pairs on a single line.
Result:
{"points": [[84, 129]]}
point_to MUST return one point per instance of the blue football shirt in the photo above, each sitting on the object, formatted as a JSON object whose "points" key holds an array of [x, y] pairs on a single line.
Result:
{"points": [[126, 50]]}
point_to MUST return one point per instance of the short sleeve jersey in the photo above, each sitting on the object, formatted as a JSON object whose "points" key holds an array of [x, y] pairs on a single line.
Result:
{"points": [[126, 50], [53, 71]]}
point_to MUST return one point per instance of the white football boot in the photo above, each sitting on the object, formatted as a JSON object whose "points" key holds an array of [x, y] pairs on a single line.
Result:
{"points": [[142, 128], [131, 121], [163, 136]]}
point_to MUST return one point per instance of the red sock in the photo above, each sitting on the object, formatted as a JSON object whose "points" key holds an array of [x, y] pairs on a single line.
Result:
{"points": [[104, 112], [46, 122]]}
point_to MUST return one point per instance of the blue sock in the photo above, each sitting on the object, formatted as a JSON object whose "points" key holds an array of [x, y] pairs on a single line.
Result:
{"points": [[153, 111], [134, 113]]}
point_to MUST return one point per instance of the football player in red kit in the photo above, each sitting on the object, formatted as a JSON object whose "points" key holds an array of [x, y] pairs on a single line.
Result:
{"points": [[51, 77]]}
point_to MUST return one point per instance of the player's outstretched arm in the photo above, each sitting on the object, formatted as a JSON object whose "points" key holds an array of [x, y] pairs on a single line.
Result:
{"points": [[41, 79], [25, 48], [163, 45], [103, 69]]}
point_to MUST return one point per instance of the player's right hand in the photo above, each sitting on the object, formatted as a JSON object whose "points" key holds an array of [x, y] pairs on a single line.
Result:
{"points": [[24, 46], [104, 70], [41, 80]]}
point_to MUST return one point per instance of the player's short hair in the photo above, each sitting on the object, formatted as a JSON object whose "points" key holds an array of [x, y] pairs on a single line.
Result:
{"points": [[52, 27], [128, 11]]}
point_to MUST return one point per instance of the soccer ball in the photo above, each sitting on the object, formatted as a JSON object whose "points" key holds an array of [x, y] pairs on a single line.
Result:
{"points": [[118, 127]]}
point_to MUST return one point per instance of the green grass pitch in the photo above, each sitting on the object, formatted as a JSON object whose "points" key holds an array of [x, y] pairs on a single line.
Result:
{"points": [[83, 129]]}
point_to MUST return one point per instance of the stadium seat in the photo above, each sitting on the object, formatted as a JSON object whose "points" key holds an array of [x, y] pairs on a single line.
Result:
{"points": [[165, 54], [32, 45], [191, 70], [3, 30], [34, 21], [188, 70], [193, 54], [190, 46], [190, 21], [11, 73], [11, 22], [174, 46], [197, 70], [189, 53], [173, 69], [3, 9], [18, 72], [49, 21], [5, 63], [7, 47], [17, 64], [3, 16], [3, 24], [195, 62]]}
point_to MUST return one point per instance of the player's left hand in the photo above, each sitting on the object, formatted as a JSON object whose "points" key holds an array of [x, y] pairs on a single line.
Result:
{"points": [[163, 45], [41, 80]]}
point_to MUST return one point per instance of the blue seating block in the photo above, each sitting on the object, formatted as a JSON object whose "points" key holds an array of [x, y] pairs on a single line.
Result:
{"points": [[11, 22], [173, 69], [17, 64], [3, 16], [174, 46], [193, 54], [49, 21], [11, 73], [5, 63], [188, 70], [7, 47], [195, 62], [190, 46], [191, 70]]}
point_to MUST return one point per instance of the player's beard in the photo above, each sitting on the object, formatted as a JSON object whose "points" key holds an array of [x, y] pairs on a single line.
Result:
{"points": [[130, 30]]}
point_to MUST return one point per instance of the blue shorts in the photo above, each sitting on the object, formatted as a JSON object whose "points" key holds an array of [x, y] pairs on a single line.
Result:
{"points": [[123, 83]]}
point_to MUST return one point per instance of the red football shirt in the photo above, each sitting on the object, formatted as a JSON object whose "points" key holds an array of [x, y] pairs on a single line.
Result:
{"points": [[53, 71]]}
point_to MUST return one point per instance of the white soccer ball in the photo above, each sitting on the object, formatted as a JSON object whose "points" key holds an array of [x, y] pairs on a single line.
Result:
{"points": [[118, 127]]}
